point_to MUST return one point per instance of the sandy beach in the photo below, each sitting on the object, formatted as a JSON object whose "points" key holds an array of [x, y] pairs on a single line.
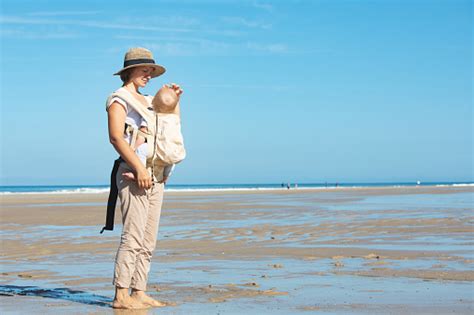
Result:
{"points": [[345, 250]]}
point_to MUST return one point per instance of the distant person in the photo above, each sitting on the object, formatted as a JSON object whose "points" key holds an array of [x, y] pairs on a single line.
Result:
{"points": [[142, 198], [288, 186]]}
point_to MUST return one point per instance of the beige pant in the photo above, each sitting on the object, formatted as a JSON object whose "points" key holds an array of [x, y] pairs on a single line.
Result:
{"points": [[141, 211]]}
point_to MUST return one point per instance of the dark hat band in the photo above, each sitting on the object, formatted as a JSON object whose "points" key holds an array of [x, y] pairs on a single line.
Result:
{"points": [[132, 62]]}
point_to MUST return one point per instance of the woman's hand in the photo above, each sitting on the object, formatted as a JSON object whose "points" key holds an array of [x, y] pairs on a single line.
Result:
{"points": [[177, 89], [143, 178]]}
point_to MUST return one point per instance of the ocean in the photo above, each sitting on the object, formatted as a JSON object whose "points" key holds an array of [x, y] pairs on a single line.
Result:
{"points": [[78, 189]]}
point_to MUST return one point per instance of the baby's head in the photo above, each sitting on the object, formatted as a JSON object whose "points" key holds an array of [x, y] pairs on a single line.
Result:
{"points": [[165, 100]]}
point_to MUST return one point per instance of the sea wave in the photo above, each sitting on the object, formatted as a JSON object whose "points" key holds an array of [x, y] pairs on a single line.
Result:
{"points": [[60, 191], [456, 185], [223, 189], [243, 189], [106, 190], [230, 188]]}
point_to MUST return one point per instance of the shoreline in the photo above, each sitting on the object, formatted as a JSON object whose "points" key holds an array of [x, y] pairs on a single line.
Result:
{"points": [[101, 189], [172, 191]]}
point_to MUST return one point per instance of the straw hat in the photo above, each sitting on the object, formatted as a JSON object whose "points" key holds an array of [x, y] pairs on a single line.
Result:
{"points": [[139, 56]]}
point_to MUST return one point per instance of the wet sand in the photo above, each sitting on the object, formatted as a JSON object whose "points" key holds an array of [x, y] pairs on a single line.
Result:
{"points": [[345, 250]]}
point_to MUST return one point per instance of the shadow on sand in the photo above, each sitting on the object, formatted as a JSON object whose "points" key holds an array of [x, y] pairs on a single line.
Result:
{"points": [[57, 293]]}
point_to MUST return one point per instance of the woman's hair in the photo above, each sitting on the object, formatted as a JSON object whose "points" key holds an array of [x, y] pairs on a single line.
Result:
{"points": [[125, 75]]}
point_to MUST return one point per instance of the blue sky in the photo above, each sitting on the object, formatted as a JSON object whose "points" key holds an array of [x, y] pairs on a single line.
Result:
{"points": [[275, 91]]}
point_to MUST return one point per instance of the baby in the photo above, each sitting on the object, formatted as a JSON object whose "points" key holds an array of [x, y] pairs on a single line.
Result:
{"points": [[165, 103]]}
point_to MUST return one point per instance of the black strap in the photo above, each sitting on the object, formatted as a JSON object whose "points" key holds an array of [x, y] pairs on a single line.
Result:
{"points": [[131, 62], [111, 203]]}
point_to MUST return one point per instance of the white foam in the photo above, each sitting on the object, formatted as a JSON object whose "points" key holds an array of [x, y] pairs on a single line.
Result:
{"points": [[456, 185], [228, 189], [106, 190], [240, 189], [59, 192]]}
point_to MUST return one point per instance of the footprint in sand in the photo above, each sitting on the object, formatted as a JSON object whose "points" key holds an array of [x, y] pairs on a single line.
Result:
{"points": [[338, 264], [372, 256], [276, 266]]}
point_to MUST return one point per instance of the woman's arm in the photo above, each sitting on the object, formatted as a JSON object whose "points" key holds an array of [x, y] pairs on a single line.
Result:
{"points": [[116, 118]]}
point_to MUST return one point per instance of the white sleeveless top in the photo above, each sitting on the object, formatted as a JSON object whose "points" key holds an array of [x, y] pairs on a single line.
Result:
{"points": [[133, 117]]}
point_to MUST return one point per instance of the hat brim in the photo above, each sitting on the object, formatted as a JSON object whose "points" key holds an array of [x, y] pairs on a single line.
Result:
{"points": [[157, 69]]}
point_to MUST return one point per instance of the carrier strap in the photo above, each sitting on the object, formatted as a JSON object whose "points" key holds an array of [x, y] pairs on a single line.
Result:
{"points": [[134, 139], [144, 112], [111, 203]]}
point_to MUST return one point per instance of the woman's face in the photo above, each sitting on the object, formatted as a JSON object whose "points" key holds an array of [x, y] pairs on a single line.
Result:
{"points": [[141, 75]]}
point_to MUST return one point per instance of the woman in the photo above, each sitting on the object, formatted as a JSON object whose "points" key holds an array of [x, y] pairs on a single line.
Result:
{"points": [[140, 200]]}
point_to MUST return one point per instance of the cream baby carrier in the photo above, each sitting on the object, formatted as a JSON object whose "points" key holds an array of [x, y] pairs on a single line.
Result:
{"points": [[164, 141], [164, 138], [169, 140]]}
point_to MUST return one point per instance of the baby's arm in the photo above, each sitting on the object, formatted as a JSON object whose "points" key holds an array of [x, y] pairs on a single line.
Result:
{"points": [[140, 140], [143, 128]]}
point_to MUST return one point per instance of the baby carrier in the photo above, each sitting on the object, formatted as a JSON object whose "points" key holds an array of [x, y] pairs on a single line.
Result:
{"points": [[169, 144], [161, 149]]}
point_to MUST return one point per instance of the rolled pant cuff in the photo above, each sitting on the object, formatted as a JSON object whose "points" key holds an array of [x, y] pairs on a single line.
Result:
{"points": [[121, 284], [138, 286]]}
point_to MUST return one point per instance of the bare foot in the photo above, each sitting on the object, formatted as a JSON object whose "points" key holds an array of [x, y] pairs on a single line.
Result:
{"points": [[124, 301], [147, 300], [128, 176], [129, 304]]}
